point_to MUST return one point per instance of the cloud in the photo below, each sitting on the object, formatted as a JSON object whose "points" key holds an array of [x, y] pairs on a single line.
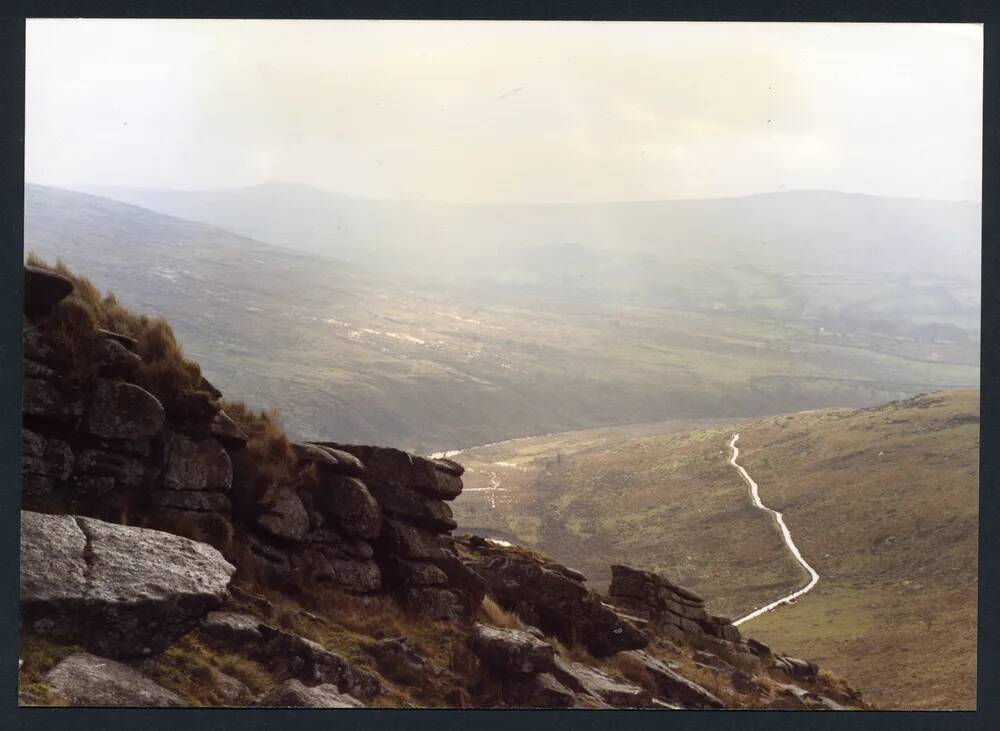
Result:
{"points": [[417, 109]]}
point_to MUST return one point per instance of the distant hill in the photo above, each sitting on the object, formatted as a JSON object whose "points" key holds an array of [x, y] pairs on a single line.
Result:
{"points": [[802, 231], [431, 363], [882, 501]]}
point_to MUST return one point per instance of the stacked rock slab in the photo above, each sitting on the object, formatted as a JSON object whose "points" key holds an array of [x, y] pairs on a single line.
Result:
{"points": [[322, 529], [664, 603], [413, 545], [97, 443]]}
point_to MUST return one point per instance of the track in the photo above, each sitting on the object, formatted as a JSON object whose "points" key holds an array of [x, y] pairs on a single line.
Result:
{"points": [[785, 534]]}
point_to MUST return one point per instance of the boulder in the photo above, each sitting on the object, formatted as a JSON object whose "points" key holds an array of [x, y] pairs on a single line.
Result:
{"points": [[313, 454], [36, 346], [672, 685], [418, 573], [43, 290], [229, 691], [510, 650], [341, 545], [114, 359], [83, 679], [118, 590], [293, 694], [232, 630], [123, 470], [226, 431], [286, 517], [32, 369], [350, 504], [312, 663], [197, 465], [120, 410], [614, 692]]}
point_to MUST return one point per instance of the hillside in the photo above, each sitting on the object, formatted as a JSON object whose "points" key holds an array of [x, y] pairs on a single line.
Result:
{"points": [[418, 360], [882, 501], [178, 549]]}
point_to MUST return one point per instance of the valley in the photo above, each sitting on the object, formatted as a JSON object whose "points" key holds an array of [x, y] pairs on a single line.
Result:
{"points": [[882, 501]]}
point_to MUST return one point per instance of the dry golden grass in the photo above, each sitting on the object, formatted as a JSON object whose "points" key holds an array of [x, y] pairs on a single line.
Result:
{"points": [[164, 371], [39, 656], [269, 450], [489, 612]]}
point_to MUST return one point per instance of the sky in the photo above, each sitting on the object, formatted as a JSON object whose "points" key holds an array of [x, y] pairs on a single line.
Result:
{"points": [[507, 111]]}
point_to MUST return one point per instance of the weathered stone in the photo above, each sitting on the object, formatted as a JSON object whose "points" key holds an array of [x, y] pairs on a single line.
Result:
{"points": [[205, 385], [312, 663], [674, 686], [229, 691], [126, 340], [49, 457], [232, 630], [796, 668], [285, 517], [43, 399], [387, 468], [83, 679], [510, 650], [398, 659], [409, 541], [43, 290], [293, 694], [315, 455], [35, 345], [36, 486], [120, 410], [118, 590], [200, 501], [758, 648], [347, 463], [614, 692], [197, 465], [405, 503], [227, 432], [348, 501]]}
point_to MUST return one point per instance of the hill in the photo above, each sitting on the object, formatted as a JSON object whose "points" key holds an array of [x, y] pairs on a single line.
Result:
{"points": [[882, 501], [419, 360], [178, 549]]}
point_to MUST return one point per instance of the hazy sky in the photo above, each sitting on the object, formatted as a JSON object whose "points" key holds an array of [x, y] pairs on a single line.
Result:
{"points": [[507, 111]]}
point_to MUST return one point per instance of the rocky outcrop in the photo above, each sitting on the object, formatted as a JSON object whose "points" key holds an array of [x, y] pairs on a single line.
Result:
{"points": [[43, 290], [87, 680], [551, 597], [117, 590], [662, 602]]}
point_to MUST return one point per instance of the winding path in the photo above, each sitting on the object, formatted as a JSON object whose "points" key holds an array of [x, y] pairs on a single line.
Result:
{"points": [[786, 535]]}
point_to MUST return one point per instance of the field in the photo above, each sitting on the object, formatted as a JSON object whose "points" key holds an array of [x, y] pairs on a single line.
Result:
{"points": [[883, 502]]}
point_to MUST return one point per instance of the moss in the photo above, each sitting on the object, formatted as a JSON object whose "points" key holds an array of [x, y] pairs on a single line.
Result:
{"points": [[39, 656]]}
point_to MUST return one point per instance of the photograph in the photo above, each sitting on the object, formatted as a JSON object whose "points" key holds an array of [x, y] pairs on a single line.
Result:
{"points": [[499, 364]]}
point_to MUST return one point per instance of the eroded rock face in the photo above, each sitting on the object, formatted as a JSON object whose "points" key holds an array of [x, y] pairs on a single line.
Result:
{"points": [[120, 410], [616, 693], [293, 694], [673, 686], [118, 590], [87, 680], [348, 502], [286, 517]]}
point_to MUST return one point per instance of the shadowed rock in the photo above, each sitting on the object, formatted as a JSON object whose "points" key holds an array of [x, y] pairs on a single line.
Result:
{"points": [[120, 410], [510, 650], [197, 465]]}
